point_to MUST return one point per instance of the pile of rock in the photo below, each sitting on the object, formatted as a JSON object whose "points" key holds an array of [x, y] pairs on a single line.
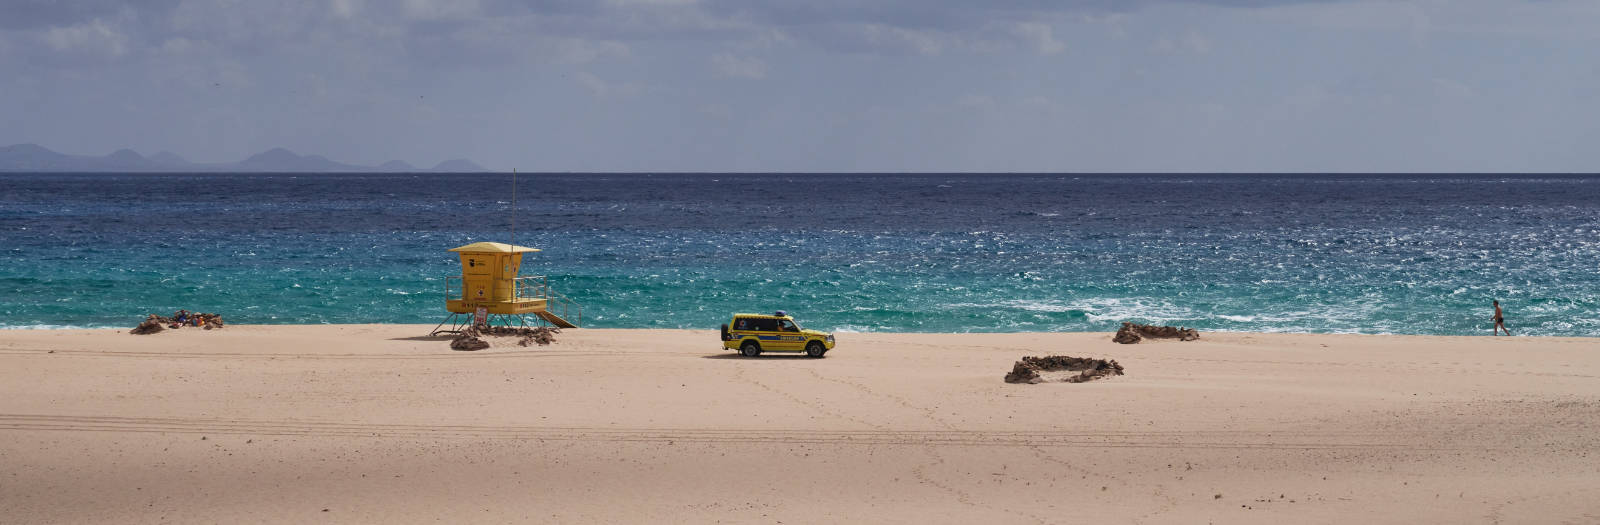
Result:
{"points": [[1032, 370], [151, 324], [541, 336], [1131, 333], [468, 340], [155, 323], [472, 338]]}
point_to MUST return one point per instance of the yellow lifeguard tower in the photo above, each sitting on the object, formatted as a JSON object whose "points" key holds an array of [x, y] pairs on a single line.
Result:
{"points": [[489, 290]]}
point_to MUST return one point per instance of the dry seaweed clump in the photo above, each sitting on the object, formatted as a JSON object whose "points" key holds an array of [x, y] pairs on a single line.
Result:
{"points": [[1053, 368], [472, 338], [1131, 333]]}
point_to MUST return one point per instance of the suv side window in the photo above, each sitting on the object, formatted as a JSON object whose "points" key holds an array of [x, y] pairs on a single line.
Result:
{"points": [[756, 324]]}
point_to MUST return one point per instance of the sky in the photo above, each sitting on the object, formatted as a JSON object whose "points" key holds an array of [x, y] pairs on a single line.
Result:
{"points": [[818, 85]]}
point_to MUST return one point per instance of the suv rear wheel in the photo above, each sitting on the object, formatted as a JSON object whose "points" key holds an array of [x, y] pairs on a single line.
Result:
{"points": [[815, 349], [750, 349]]}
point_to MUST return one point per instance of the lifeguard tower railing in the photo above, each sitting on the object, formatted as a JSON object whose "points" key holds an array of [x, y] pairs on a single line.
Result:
{"points": [[530, 287]]}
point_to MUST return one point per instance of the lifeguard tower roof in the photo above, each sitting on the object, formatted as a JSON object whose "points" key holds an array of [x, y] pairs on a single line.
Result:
{"points": [[493, 247]]}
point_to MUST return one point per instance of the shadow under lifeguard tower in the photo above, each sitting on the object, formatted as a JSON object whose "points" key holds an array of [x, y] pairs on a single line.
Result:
{"points": [[489, 291]]}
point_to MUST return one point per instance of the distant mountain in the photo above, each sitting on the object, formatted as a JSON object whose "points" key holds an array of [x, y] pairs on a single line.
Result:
{"points": [[459, 166], [126, 156], [279, 159], [33, 157]]}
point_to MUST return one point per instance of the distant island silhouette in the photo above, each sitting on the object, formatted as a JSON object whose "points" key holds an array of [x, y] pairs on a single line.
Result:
{"points": [[33, 157]]}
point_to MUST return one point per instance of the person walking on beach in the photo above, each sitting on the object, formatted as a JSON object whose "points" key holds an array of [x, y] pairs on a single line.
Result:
{"points": [[1499, 320]]}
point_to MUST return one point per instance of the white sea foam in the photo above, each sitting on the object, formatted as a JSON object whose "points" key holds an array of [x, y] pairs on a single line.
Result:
{"points": [[1095, 309], [853, 329], [55, 327]]}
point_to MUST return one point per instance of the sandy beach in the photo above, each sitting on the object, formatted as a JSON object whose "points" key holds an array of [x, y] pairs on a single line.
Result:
{"points": [[380, 423]]}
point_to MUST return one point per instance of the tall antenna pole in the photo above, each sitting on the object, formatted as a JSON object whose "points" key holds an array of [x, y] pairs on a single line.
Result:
{"points": [[513, 206]]}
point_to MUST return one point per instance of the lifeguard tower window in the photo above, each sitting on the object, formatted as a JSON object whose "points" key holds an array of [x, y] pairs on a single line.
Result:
{"points": [[476, 265]]}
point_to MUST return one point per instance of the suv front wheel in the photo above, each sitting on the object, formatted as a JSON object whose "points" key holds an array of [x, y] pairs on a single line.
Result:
{"points": [[815, 349], [750, 349]]}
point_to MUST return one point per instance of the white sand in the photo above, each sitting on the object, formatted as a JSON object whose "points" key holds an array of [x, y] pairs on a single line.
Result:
{"points": [[369, 423]]}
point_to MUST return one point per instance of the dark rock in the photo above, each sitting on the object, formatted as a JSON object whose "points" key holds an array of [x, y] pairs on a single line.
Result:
{"points": [[468, 344], [1131, 333], [468, 340], [1022, 373], [151, 324], [472, 338], [1027, 370], [541, 336]]}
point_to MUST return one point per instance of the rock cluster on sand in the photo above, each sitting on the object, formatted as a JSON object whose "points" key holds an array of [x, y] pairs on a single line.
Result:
{"points": [[468, 340], [154, 323], [150, 325], [527, 336], [1029, 368], [1131, 333], [472, 338]]}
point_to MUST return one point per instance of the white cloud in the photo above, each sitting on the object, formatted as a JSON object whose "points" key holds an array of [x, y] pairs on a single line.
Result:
{"points": [[441, 9], [600, 88], [1040, 36], [1042, 105], [579, 51], [887, 36], [631, 3], [718, 111], [345, 8], [502, 43], [91, 38], [1446, 88], [733, 66], [978, 102], [1187, 43], [220, 79]]}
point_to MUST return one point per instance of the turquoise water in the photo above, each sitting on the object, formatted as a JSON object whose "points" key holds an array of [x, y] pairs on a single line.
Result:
{"points": [[885, 253]]}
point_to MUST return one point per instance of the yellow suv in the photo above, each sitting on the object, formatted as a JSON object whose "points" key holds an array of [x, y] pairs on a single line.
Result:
{"points": [[752, 334]]}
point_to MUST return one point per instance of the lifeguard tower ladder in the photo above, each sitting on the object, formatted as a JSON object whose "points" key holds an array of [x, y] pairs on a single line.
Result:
{"points": [[489, 291]]}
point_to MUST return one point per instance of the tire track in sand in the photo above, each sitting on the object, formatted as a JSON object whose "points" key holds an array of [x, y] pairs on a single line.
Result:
{"points": [[878, 436], [920, 471], [1037, 450], [511, 354]]}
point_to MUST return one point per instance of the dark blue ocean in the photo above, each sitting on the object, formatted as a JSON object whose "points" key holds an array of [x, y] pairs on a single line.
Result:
{"points": [[1398, 254]]}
